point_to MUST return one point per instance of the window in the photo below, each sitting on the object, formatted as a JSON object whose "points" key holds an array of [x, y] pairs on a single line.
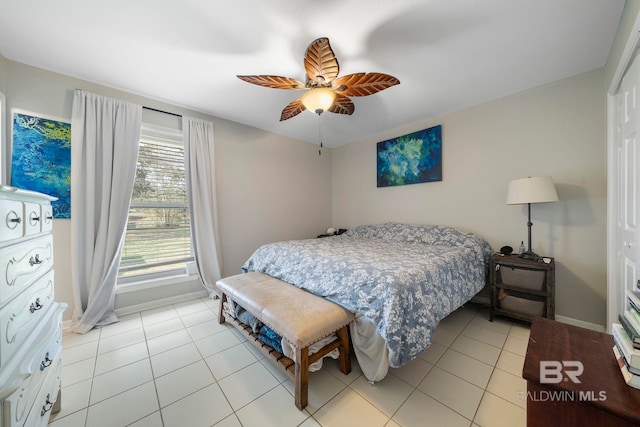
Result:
{"points": [[158, 237]]}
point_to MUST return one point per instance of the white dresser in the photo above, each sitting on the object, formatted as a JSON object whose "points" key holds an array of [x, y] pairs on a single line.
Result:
{"points": [[30, 319]]}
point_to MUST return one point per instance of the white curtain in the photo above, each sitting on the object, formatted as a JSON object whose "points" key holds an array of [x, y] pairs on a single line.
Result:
{"points": [[105, 134], [199, 162]]}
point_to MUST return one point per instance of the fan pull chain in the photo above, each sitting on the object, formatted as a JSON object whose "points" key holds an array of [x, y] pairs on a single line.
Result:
{"points": [[320, 133]]}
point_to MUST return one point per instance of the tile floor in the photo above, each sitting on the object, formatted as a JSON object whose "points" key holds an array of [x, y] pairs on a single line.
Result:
{"points": [[176, 366]]}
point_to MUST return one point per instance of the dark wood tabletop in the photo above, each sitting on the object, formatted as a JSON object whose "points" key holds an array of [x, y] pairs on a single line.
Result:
{"points": [[600, 385]]}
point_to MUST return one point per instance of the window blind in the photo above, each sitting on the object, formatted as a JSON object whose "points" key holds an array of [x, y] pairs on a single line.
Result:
{"points": [[158, 228]]}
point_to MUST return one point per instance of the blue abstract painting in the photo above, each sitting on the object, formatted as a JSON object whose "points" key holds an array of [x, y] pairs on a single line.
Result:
{"points": [[41, 158], [411, 159]]}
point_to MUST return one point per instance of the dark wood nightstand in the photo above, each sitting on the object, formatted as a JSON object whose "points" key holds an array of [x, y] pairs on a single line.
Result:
{"points": [[522, 288], [337, 233]]}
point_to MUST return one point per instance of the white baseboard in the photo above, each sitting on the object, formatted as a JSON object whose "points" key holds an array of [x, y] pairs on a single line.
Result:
{"points": [[160, 302], [200, 294], [581, 323], [66, 324]]}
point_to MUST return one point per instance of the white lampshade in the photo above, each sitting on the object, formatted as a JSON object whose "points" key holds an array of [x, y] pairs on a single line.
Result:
{"points": [[535, 189], [318, 100]]}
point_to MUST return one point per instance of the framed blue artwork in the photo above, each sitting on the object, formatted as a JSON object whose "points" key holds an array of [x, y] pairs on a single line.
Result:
{"points": [[41, 157], [410, 159]]}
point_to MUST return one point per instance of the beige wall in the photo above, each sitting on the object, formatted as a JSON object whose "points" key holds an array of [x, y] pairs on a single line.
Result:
{"points": [[557, 130], [273, 188], [269, 187]]}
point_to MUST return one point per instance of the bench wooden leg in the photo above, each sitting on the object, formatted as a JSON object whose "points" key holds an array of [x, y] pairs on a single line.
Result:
{"points": [[302, 377], [345, 360], [223, 299]]}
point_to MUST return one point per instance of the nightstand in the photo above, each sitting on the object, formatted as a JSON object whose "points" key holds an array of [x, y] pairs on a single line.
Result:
{"points": [[337, 233], [522, 288]]}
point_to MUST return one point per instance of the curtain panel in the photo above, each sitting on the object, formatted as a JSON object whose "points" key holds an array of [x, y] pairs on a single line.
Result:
{"points": [[105, 134], [201, 194]]}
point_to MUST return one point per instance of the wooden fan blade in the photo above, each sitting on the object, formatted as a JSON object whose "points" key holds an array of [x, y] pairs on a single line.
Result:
{"points": [[293, 109], [275, 82], [342, 105], [320, 63], [363, 84]]}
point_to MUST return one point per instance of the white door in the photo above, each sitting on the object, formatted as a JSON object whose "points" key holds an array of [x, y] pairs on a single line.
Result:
{"points": [[628, 111]]}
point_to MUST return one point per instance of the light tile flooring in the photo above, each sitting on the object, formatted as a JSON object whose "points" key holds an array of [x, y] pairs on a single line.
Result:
{"points": [[176, 366]]}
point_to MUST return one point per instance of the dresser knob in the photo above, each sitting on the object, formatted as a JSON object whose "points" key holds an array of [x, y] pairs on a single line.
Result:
{"points": [[35, 260], [48, 404], [46, 362], [16, 220], [35, 305]]}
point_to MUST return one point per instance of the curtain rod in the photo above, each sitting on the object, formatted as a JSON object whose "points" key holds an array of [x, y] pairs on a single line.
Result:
{"points": [[160, 111], [154, 109]]}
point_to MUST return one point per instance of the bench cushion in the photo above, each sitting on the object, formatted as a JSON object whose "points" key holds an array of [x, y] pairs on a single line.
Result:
{"points": [[297, 315]]}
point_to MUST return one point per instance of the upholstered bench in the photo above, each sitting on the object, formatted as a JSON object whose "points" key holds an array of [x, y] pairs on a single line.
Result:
{"points": [[296, 315]]}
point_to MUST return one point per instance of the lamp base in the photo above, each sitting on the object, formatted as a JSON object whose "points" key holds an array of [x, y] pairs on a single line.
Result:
{"points": [[530, 255]]}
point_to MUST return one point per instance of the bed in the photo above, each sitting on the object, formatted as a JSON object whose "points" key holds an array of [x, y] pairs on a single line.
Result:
{"points": [[400, 280]]}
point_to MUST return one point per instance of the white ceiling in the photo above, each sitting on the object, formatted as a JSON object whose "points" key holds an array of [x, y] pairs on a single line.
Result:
{"points": [[448, 54]]}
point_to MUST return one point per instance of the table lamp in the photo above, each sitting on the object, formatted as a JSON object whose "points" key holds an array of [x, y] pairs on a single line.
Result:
{"points": [[534, 189]]}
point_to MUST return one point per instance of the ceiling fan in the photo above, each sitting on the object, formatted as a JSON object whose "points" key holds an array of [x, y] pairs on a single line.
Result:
{"points": [[324, 90]]}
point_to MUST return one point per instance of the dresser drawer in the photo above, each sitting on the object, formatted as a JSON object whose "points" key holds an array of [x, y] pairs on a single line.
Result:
{"points": [[50, 351], [32, 218], [47, 217], [21, 264], [16, 407], [11, 219], [31, 403], [46, 399], [41, 348], [21, 315], [49, 393]]}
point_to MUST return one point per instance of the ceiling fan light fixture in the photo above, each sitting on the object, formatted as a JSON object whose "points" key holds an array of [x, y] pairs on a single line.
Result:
{"points": [[323, 89], [318, 99]]}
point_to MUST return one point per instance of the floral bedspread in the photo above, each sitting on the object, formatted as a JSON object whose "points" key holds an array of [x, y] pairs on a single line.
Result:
{"points": [[404, 278]]}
